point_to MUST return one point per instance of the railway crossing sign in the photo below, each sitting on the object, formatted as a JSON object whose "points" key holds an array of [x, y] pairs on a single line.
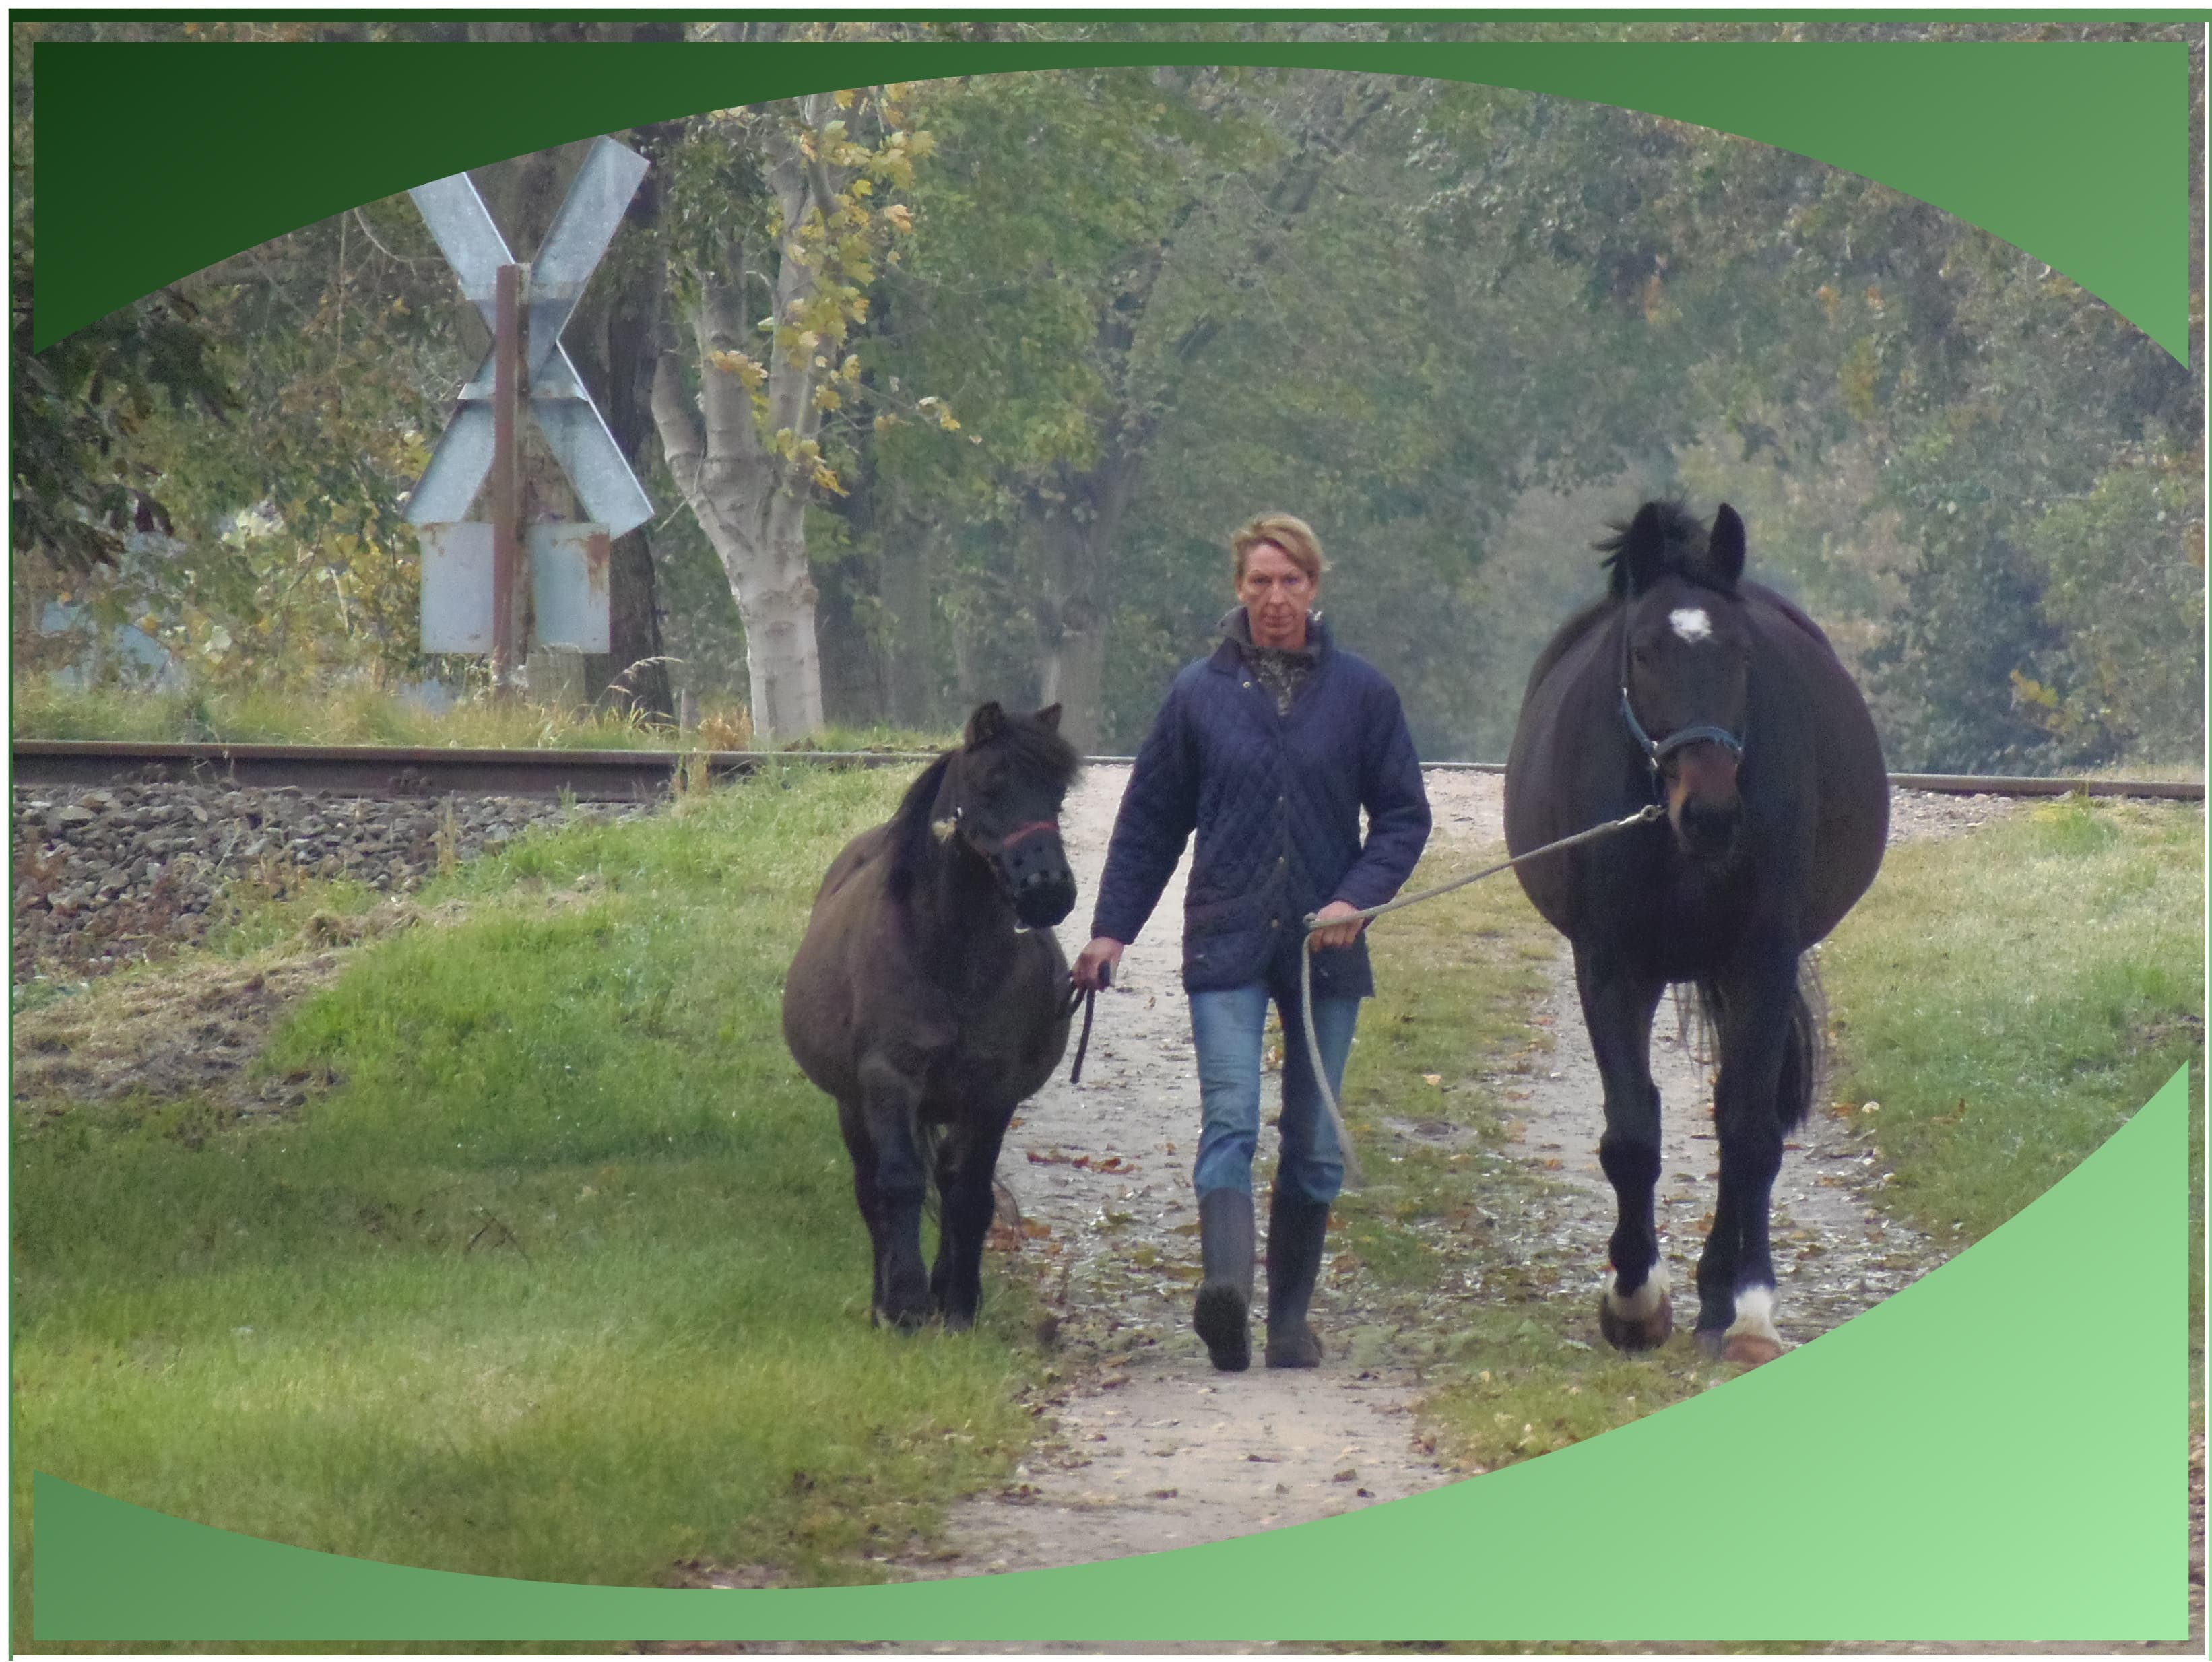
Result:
{"points": [[573, 429], [471, 591]]}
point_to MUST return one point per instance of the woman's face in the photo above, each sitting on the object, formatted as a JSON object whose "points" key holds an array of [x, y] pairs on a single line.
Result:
{"points": [[1277, 598]]}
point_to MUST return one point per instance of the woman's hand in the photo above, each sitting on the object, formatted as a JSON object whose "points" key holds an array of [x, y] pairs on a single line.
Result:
{"points": [[1094, 966], [1328, 933]]}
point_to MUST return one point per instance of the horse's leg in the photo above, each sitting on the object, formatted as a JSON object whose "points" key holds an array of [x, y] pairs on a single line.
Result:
{"points": [[964, 1169], [1736, 1275], [887, 1101], [862, 1148], [1636, 1310]]}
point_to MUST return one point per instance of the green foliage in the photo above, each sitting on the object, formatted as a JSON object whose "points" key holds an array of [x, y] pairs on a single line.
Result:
{"points": [[80, 487], [2122, 582], [562, 1281]]}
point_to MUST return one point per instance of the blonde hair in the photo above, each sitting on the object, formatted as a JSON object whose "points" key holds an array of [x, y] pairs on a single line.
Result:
{"points": [[1287, 532]]}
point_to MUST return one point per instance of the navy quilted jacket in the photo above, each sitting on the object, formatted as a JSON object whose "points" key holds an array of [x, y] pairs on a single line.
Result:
{"points": [[1275, 800]]}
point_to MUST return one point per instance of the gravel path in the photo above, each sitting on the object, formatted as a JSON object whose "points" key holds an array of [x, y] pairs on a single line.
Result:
{"points": [[1151, 1447]]}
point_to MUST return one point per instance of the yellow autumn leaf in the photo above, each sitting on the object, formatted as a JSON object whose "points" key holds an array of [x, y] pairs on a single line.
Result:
{"points": [[843, 100], [738, 364], [900, 215], [828, 480], [826, 398]]}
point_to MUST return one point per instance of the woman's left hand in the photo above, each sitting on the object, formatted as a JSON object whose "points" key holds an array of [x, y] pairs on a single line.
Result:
{"points": [[1337, 924]]}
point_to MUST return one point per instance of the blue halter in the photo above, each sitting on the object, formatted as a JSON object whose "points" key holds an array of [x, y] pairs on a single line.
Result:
{"points": [[1657, 751]]}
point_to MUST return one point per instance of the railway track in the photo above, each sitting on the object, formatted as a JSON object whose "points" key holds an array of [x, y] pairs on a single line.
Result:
{"points": [[642, 775]]}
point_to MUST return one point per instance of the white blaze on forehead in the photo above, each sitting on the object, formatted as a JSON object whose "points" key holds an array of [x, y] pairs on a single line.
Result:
{"points": [[1691, 623]]}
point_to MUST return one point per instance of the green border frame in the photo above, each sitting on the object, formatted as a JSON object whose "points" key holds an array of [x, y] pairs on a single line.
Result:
{"points": [[1895, 1446], [2074, 152]]}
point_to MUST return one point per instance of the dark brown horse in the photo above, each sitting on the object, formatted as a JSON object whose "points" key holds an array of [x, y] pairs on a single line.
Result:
{"points": [[1687, 685], [929, 997]]}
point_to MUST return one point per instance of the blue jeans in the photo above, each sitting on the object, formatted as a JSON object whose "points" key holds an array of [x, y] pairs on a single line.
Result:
{"points": [[1227, 1029]]}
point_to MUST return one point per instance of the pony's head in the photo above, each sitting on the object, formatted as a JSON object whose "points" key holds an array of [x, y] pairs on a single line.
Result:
{"points": [[1685, 664], [1000, 795]]}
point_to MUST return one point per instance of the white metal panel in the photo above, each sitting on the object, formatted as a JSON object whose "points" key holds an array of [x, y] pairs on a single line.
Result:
{"points": [[457, 592]]}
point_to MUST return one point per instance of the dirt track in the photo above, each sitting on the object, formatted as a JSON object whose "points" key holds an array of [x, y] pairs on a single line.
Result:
{"points": [[1152, 1448]]}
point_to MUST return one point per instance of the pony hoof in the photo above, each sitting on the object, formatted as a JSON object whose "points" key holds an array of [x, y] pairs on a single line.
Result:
{"points": [[1712, 1341], [1647, 1332], [1750, 1349], [909, 1320]]}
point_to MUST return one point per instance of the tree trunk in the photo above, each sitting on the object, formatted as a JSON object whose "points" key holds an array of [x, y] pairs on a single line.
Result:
{"points": [[903, 587], [754, 513], [1079, 529]]}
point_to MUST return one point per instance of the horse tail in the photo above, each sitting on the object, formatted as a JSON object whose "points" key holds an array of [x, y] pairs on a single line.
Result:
{"points": [[929, 1140], [1804, 1050]]}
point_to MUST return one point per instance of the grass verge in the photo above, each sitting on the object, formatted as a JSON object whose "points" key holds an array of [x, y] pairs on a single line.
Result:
{"points": [[2062, 986], [42, 708], [562, 1280]]}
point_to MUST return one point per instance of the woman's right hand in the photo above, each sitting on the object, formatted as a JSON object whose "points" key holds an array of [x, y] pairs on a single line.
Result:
{"points": [[1094, 966]]}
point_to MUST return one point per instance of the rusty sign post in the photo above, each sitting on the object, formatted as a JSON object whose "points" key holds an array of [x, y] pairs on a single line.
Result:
{"points": [[507, 631], [483, 583]]}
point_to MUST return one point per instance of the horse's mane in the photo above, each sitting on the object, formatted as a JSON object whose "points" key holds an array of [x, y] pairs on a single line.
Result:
{"points": [[1683, 555], [907, 836], [1683, 542], [1036, 749]]}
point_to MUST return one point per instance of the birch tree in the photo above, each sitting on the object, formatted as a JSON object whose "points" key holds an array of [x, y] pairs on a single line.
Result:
{"points": [[781, 225]]}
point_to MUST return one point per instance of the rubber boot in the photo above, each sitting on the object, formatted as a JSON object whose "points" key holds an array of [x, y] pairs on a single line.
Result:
{"points": [[1296, 1229], [1222, 1315]]}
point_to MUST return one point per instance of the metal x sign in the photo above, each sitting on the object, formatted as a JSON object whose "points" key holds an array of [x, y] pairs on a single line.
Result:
{"points": [[574, 430]]}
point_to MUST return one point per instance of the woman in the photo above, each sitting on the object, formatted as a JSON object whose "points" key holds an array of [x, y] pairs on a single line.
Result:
{"points": [[1268, 749]]}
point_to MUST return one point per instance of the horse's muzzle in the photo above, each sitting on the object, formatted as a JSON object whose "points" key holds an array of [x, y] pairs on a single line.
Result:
{"points": [[1033, 870], [1703, 805], [1043, 898], [1707, 830]]}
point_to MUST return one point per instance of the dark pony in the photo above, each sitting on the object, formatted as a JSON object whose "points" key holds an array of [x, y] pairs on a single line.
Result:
{"points": [[1686, 685], [929, 997]]}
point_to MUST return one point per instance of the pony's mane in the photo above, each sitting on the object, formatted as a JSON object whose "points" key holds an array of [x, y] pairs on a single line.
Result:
{"points": [[1684, 547], [1036, 749], [909, 835]]}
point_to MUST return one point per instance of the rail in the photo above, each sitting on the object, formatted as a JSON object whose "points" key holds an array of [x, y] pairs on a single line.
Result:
{"points": [[636, 775]]}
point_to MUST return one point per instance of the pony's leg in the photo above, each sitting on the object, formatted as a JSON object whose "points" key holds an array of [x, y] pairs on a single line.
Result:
{"points": [[862, 1148], [1736, 1275], [1636, 1310], [964, 1169], [887, 1101]]}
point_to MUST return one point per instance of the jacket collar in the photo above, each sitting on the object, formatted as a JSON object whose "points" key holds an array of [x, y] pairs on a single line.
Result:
{"points": [[1230, 656]]}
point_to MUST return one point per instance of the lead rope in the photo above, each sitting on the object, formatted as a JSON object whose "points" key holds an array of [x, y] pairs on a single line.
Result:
{"points": [[1645, 815], [1088, 998]]}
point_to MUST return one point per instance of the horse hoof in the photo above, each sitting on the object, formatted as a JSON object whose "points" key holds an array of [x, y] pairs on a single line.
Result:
{"points": [[910, 1320], [1712, 1341], [1635, 1329], [1644, 1332], [1750, 1349]]}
